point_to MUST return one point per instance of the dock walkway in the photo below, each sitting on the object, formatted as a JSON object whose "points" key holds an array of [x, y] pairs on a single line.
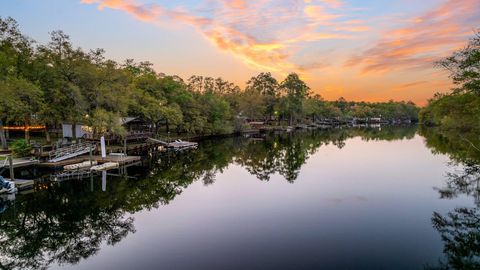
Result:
{"points": [[176, 145], [18, 163], [121, 160]]}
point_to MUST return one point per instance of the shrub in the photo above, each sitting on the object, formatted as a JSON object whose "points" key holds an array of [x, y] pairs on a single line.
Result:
{"points": [[20, 148]]}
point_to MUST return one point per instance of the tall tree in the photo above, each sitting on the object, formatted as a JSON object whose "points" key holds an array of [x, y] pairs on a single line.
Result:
{"points": [[267, 85], [295, 91], [64, 63], [21, 99]]}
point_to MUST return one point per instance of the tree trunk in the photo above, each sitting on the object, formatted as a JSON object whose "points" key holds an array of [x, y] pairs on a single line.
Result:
{"points": [[167, 126], [27, 134], [3, 139], [47, 134], [74, 131], [290, 121], [155, 128]]}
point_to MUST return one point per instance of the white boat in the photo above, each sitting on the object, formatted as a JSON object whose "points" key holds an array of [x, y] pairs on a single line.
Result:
{"points": [[7, 186], [79, 166], [105, 166]]}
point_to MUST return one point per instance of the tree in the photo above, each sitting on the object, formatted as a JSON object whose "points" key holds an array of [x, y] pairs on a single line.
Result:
{"points": [[464, 66], [295, 91], [266, 85], [21, 103], [103, 122], [459, 109], [66, 99], [16, 57], [252, 104]]}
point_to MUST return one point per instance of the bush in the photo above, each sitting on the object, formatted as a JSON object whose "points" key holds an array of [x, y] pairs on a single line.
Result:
{"points": [[20, 148]]}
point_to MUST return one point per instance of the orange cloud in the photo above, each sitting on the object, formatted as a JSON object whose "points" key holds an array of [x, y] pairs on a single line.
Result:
{"points": [[139, 12], [262, 34], [424, 40], [236, 4], [319, 14]]}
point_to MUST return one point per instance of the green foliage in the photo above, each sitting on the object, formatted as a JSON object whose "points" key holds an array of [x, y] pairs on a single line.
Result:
{"points": [[103, 122], [464, 67], [453, 112], [294, 92], [459, 110], [21, 148]]}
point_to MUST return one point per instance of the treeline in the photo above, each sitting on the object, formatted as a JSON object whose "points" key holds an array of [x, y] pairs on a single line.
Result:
{"points": [[48, 84], [458, 110]]}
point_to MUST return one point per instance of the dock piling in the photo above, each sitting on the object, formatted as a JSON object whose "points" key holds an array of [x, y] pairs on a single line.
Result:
{"points": [[10, 165], [91, 156]]}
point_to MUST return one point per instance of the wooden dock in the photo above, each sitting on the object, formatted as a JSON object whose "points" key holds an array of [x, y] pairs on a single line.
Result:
{"points": [[177, 145], [21, 184], [124, 161], [18, 163]]}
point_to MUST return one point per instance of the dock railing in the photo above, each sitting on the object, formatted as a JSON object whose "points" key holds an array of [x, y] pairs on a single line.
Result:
{"points": [[71, 151]]}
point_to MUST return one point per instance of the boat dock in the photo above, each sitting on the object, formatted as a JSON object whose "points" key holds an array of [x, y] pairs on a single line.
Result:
{"points": [[18, 163], [21, 184], [176, 145], [124, 161]]}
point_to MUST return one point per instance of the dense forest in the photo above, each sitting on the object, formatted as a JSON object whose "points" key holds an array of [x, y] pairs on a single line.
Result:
{"points": [[47, 84]]}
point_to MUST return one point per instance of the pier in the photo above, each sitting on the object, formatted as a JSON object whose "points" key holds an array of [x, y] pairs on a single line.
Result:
{"points": [[124, 161], [16, 162], [176, 145]]}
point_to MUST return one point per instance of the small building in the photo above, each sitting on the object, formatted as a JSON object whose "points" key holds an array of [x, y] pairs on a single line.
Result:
{"points": [[81, 130], [136, 129]]}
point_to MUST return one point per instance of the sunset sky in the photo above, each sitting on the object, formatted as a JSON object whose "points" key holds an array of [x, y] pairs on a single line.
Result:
{"points": [[371, 50]]}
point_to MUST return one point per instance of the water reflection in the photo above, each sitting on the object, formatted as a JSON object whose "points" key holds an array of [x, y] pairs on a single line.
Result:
{"points": [[63, 223], [460, 228]]}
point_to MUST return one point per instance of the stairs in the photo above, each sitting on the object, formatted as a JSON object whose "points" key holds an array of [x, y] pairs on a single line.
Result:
{"points": [[71, 151]]}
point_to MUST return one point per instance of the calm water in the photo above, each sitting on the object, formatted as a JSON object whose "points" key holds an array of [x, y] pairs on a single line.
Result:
{"points": [[344, 199]]}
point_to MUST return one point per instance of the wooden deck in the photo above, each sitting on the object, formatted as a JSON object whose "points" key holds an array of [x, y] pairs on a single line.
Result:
{"points": [[18, 163], [21, 184], [121, 160]]}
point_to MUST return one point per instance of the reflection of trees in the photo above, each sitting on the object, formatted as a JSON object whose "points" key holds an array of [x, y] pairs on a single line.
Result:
{"points": [[460, 234], [59, 226], [285, 154], [459, 228], [460, 147], [464, 182]]}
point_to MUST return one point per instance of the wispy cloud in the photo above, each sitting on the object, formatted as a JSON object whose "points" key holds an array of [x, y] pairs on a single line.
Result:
{"points": [[412, 84], [263, 34], [423, 40]]}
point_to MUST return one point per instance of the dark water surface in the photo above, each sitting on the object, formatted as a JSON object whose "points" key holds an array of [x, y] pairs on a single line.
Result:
{"points": [[343, 199]]}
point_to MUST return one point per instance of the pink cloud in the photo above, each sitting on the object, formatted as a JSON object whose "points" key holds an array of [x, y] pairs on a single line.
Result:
{"points": [[424, 40], [262, 34]]}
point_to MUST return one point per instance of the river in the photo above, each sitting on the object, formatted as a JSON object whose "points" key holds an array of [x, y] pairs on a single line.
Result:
{"points": [[365, 198]]}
